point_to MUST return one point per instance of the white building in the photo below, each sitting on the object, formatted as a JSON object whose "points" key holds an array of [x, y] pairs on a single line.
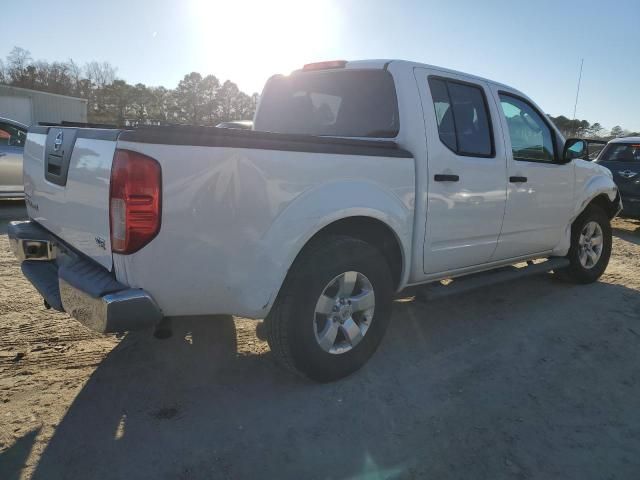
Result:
{"points": [[31, 106]]}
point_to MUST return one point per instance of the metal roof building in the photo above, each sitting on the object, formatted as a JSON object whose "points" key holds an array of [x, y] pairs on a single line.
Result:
{"points": [[31, 106]]}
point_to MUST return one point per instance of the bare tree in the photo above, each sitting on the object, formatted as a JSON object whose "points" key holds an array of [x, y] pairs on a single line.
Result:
{"points": [[18, 62], [75, 73], [100, 74]]}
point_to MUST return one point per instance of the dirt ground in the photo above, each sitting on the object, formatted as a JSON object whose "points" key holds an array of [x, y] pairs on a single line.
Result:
{"points": [[532, 379]]}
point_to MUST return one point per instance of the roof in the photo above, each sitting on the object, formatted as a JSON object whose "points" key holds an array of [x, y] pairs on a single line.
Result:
{"points": [[625, 140], [382, 63], [28, 91], [13, 122]]}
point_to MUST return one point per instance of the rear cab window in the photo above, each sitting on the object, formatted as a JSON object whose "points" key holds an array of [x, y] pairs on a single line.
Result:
{"points": [[462, 116], [340, 103]]}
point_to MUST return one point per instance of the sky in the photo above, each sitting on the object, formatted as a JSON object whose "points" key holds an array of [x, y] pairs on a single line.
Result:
{"points": [[534, 46]]}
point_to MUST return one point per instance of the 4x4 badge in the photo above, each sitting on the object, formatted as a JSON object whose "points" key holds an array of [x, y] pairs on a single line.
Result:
{"points": [[57, 143]]}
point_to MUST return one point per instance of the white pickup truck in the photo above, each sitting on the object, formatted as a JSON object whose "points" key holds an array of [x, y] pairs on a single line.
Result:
{"points": [[358, 180]]}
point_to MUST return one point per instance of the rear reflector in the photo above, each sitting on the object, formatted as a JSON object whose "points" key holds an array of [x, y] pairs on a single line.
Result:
{"points": [[325, 65], [134, 201]]}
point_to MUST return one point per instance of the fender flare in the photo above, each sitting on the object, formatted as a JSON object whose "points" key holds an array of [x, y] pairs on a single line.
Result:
{"points": [[594, 188]]}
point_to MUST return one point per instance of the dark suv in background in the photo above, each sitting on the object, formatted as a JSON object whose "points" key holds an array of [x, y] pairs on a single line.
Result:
{"points": [[622, 157]]}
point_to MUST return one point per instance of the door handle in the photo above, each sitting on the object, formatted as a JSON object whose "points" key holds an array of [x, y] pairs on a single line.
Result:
{"points": [[446, 178], [517, 179], [3, 154]]}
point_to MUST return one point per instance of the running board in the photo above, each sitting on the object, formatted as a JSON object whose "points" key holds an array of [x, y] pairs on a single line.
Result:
{"points": [[436, 290]]}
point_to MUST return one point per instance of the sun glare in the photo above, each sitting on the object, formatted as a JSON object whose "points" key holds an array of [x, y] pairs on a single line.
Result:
{"points": [[254, 39]]}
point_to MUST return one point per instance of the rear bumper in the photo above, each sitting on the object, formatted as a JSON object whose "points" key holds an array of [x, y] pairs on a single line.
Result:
{"points": [[16, 194], [69, 282]]}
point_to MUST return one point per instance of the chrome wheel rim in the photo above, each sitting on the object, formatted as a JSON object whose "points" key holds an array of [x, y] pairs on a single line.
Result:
{"points": [[590, 244], [344, 312]]}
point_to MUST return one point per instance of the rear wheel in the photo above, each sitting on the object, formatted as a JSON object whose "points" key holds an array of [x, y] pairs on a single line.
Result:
{"points": [[333, 309], [590, 247]]}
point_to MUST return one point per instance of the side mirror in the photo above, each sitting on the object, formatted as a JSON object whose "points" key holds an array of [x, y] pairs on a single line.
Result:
{"points": [[574, 148]]}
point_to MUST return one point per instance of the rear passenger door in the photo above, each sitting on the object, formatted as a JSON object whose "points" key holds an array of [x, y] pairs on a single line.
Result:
{"points": [[540, 188], [466, 172]]}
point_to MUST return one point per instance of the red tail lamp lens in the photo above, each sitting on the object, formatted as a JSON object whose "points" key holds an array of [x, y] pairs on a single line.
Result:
{"points": [[135, 201]]}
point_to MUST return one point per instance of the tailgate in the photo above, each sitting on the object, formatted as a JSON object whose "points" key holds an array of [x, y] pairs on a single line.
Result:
{"points": [[66, 180]]}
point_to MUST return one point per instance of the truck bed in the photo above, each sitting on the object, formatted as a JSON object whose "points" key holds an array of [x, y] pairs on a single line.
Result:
{"points": [[227, 204]]}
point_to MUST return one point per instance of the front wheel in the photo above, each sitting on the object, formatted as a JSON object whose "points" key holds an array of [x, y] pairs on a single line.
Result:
{"points": [[333, 309], [590, 247]]}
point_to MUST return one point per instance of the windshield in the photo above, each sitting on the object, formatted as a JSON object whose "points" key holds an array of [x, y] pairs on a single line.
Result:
{"points": [[344, 103], [620, 152]]}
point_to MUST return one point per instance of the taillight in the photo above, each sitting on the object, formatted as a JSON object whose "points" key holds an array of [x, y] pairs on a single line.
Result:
{"points": [[135, 201]]}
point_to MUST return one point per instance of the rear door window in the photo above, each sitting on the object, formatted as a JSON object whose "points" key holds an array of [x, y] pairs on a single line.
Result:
{"points": [[444, 115], [462, 116]]}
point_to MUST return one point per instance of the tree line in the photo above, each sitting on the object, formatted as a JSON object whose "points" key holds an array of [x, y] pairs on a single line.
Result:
{"points": [[583, 129], [197, 100]]}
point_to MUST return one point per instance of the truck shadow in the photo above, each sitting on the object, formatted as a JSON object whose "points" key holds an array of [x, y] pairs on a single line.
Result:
{"points": [[527, 379], [631, 232], [14, 458], [11, 210]]}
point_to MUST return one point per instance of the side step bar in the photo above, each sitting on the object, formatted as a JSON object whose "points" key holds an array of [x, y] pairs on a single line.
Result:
{"points": [[436, 290]]}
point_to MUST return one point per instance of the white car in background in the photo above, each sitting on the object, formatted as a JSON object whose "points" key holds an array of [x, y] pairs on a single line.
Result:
{"points": [[13, 136]]}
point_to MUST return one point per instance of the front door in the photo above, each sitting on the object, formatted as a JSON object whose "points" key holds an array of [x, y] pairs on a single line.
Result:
{"points": [[466, 172], [540, 188]]}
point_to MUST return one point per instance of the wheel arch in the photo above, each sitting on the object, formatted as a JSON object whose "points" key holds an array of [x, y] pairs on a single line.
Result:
{"points": [[373, 231], [602, 191], [348, 206], [606, 199], [611, 208]]}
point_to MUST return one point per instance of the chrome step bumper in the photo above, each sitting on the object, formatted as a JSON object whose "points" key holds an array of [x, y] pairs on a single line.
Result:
{"points": [[69, 282]]}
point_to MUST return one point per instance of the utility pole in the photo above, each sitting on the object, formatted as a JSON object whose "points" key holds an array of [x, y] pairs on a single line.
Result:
{"points": [[575, 106]]}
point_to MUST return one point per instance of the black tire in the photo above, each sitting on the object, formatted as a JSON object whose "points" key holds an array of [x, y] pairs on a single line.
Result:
{"points": [[576, 272], [291, 322]]}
